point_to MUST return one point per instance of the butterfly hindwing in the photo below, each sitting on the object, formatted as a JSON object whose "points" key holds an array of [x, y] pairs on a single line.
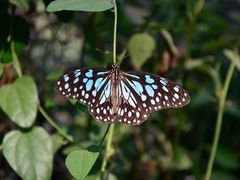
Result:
{"points": [[130, 110], [90, 86], [102, 109], [144, 93], [129, 115]]}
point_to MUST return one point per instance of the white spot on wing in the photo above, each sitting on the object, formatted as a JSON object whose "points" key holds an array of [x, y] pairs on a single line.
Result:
{"points": [[129, 114], [176, 88], [176, 95], [152, 101], [66, 86], [137, 114]]}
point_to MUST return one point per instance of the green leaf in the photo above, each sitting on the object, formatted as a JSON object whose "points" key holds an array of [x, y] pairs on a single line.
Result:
{"points": [[227, 159], [6, 57], [19, 101], [70, 148], [57, 142], [78, 105], [98, 177], [141, 46], [52, 76], [29, 154], [182, 160], [79, 163], [222, 175], [21, 3], [232, 109], [80, 5]]}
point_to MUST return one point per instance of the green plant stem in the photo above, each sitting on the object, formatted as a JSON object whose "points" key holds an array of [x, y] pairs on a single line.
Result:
{"points": [[115, 33], [109, 149], [105, 134], [16, 62], [193, 17], [1, 146], [59, 130], [219, 121]]}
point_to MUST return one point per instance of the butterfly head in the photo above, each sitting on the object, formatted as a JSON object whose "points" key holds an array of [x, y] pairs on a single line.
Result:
{"points": [[115, 66]]}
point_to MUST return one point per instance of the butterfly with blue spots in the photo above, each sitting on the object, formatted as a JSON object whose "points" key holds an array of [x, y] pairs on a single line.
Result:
{"points": [[130, 97]]}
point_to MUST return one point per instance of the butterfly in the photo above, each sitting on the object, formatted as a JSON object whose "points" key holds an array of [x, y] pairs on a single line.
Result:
{"points": [[130, 97]]}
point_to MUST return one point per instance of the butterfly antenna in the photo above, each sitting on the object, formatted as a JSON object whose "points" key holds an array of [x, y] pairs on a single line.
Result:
{"points": [[100, 51], [128, 54]]}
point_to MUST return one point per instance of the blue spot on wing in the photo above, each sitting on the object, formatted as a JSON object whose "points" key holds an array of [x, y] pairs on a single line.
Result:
{"points": [[89, 74], [85, 80], [103, 99], [148, 79], [163, 82], [89, 85], [154, 86], [108, 89], [105, 93], [99, 83], [101, 73], [149, 90], [66, 78], [75, 80], [137, 87], [77, 74], [76, 71], [132, 75]]}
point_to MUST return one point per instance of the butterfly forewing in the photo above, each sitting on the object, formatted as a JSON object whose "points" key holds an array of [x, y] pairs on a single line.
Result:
{"points": [[144, 93], [92, 87]]}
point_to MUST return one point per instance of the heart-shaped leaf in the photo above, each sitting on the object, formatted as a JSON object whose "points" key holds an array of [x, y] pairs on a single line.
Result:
{"points": [[19, 101], [29, 154], [141, 46], [79, 163], [80, 5]]}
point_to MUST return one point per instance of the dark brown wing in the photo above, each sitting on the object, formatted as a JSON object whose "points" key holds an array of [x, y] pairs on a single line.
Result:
{"points": [[143, 93], [92, 87]]}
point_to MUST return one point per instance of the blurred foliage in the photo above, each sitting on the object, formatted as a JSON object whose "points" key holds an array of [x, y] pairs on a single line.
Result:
{"points": [[141, 46], [188, 45]]}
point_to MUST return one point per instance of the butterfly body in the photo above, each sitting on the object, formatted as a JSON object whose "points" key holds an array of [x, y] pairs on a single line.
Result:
{"points": [[115, 101], [111, 94]]}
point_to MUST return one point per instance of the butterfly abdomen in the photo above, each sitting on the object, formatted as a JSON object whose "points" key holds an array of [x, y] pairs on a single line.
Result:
{"points": [[115, 100]]}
